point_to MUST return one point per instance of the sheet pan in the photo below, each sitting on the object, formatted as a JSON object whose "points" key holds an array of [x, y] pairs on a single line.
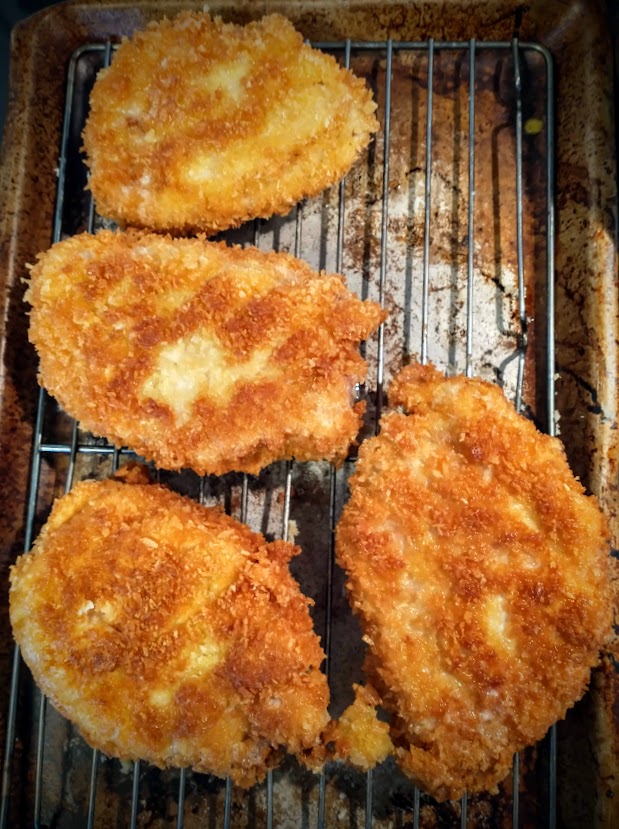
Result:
{"points": [[585, 344]]}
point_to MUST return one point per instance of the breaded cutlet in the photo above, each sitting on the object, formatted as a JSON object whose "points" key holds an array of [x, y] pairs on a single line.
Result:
{"points": [[200, 355], [481, 574], [200, 125], [169, 632]]}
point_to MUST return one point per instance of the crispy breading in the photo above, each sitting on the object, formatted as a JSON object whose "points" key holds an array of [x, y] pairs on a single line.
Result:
{"points": [[201, 125], [170, 632], [480, 571], [200, 355], [358, 736]]}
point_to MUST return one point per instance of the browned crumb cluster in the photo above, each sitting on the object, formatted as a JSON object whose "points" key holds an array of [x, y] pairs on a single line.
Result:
{"points": [[200, 355], [480, 571], [169, 632], [358, 737], [200, 124]]}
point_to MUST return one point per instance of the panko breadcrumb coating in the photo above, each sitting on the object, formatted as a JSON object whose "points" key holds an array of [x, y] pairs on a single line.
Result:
{"points": [[201, 125], [357, 736], [480, 571], [200, 355], [169, 632]]}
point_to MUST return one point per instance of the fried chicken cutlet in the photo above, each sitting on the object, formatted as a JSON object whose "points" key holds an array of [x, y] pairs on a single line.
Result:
{"points": [[201, 125], [170, 632], [480, 571], [200, 355]]}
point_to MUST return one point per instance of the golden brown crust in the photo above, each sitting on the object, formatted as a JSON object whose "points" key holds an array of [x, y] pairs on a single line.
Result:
{"points": [[358, 736], [200, 355], [201, 125], [169, 632], [481, 573]]}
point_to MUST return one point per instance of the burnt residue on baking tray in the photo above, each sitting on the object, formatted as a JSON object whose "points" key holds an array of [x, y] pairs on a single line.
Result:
{"points": [[449, 221]]}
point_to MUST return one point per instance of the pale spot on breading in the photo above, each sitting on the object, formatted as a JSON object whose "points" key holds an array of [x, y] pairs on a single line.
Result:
{"points": [[149, 542], [85, 608], [205, 657], [160, 697], [497, 623], [198, 366]]}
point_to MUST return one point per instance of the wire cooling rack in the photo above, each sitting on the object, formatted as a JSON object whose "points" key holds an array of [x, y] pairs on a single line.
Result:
{"points": [[448, 222]]}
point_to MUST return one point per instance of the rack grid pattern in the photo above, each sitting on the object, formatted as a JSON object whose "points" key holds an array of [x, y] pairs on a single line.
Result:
{"points": [[73, 447]]}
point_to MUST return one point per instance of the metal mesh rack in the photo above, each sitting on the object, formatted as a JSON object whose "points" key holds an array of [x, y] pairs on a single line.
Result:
{"points": [[449, 222]]}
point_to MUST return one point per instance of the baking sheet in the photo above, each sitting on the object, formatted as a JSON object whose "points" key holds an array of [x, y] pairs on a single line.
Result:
{"points": [[586, 341]]}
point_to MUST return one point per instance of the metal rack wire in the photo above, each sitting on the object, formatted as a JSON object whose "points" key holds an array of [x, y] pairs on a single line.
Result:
{"points": [[84, 65]]}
